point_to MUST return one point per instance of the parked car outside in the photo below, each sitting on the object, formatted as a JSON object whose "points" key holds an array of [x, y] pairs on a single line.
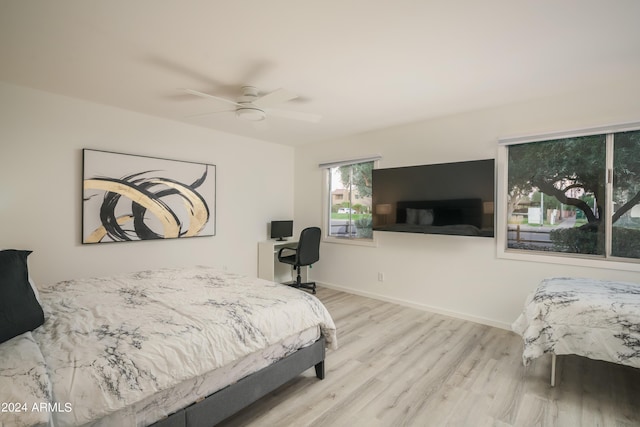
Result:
{"points": [[346, 210]]}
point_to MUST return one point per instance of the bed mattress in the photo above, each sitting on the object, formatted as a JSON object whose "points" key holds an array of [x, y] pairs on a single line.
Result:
{"points": [[131, 349], [587, 317]]}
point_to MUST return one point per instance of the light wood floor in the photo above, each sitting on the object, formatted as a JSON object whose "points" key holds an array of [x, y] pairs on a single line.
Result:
{"points": [[397, 366]]}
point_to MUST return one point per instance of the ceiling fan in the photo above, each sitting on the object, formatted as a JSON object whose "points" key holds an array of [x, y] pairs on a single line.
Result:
{"points": [[252, 106]]}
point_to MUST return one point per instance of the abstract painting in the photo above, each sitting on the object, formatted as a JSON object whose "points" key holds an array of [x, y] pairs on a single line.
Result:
{"points": [[128, 197]]}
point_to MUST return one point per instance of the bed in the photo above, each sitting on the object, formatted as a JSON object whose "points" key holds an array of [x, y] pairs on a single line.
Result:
{"points": [[174, 347], [592, 318], [462, 217]]}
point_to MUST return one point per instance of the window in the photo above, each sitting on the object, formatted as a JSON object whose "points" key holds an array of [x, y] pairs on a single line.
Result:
{"points": [[625, 217], [576, 195], [348, 200]]}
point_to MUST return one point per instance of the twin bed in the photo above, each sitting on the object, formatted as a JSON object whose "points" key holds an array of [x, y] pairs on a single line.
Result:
{"points": [[174, 347], [586, 317]]}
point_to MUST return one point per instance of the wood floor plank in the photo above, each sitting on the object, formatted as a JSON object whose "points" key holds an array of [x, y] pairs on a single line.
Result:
{"points": [[399, 366]]}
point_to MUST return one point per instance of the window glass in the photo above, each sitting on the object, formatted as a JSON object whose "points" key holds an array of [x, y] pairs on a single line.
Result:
{"points": [[625, 238], [556, 196], [349, 204]]}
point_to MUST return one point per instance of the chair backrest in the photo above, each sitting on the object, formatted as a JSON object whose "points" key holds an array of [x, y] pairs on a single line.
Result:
{"points": [[309, 246]]}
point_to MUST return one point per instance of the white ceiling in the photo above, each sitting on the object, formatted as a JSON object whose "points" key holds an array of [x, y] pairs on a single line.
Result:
{"points": [[363, 65]]}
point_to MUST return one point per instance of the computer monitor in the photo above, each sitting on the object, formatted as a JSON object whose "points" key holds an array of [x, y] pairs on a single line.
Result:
{"points": [[281, 229]]}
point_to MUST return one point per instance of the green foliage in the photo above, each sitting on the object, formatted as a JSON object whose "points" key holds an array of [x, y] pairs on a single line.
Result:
{"points": [[550, 202], [334, 208], [577, 241], [626, 167], [556, 167], [626, 242], [364, 229], [353, 217], [626, 162], [359, 175]]}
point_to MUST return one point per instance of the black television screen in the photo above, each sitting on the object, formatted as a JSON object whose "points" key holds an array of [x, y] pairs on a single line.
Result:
{"points": [[445, 198], [281, 229]]}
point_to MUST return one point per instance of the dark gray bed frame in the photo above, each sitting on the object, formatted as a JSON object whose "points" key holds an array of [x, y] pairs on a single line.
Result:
{"points": [[226, 402]]}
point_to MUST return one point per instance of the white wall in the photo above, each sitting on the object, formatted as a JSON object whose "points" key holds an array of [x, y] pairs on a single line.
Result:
{"points": [[41, 140], [456, 275]]}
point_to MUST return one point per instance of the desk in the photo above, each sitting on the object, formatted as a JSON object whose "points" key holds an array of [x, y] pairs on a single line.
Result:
{"points": [[270, 268]]}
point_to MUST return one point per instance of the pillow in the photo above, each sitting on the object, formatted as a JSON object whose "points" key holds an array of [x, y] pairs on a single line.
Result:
{"points": [[19, 309], [425, 216], [32, 283], [412, 216]]}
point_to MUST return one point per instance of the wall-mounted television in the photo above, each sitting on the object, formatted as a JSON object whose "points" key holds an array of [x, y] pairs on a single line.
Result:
{"points": [[445, 198], [281, 229]]}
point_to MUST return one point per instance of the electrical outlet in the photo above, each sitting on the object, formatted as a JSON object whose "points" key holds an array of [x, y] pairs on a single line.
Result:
{"points": [[380, 277]]}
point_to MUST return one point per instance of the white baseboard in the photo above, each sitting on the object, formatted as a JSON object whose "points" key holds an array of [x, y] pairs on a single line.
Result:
{"points": [[423, 307]]}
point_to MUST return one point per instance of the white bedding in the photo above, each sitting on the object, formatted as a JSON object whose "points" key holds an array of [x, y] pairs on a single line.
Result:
{"points": [[114, 346], [592, 318], [24, 384], [161, 404]]}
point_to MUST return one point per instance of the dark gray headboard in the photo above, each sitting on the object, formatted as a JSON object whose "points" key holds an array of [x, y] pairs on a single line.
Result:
{"points": [[445, 212]]}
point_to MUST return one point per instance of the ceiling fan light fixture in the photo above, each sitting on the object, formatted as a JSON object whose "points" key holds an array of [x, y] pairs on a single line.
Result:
{"points": [[250, 113]]}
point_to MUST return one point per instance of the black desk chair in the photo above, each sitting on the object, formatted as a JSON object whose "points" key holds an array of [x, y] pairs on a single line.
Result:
{"points": [[307, 252]]}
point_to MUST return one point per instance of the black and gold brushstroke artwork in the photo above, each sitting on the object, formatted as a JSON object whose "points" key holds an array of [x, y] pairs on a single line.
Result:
{"points": [[128, 198]]}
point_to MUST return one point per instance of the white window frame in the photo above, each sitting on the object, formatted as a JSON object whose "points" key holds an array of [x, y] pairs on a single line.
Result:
{"points": [[606, 262], [326, 202]]}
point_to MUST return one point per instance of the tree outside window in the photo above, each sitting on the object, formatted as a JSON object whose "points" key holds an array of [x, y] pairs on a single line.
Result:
{"points": [[557, 195], [626, 195], [350, 201]]}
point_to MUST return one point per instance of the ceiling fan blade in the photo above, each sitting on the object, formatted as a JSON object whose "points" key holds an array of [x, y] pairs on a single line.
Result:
{"points": [[295, 115], [195, 116], [206, 95], [278, 96]]}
